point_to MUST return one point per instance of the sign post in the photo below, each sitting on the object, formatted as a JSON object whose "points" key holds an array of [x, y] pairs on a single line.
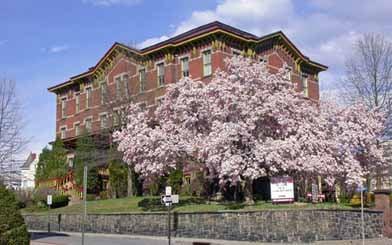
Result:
{"points": [[49, 202], [168, 199], [84, 201], [362, 189]]}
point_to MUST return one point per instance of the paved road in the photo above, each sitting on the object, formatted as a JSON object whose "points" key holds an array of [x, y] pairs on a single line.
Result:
{"points": [[43, 238]]}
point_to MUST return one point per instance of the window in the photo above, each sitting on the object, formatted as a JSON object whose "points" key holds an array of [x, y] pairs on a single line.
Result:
{"points": [[125, 79], [77, 129], [118, 87], [116, 117], [104, 93], [305, 84], [104, 121], [142, 79], [88, 97], [185, 67], [207, 63], [64, 107], [63, 132], [88, 125], [161, 74], [287, 70], [77, 102]]}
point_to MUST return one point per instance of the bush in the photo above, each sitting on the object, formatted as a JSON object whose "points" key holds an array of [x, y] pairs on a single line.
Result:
{"points": [[24, 198], [59, 201], [175, 180], [355, 200], [40, 194], [13, 231]]}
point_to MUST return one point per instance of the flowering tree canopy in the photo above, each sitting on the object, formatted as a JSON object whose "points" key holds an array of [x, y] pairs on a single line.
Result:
{"points": [[248, 123]]}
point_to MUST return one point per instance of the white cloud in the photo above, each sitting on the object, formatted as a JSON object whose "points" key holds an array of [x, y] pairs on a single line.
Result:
{"points": [[249, 15], [56, 49], [107, 3], [151, 41]]}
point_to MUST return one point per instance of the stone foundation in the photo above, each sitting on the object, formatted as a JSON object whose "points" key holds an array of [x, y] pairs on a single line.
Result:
{"points": [[263, 226]]}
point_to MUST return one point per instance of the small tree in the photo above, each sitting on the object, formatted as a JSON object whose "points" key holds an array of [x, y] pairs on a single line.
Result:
{"points": [[118, 176], [86, 154], [13, 230], [52, 162]]}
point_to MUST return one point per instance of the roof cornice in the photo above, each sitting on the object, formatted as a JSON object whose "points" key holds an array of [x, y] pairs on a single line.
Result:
{"points": [[196, 33]]}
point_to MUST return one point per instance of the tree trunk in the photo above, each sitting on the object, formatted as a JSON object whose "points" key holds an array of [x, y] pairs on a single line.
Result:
{"points": [[337, 192], [248, 191], [130, 187]]}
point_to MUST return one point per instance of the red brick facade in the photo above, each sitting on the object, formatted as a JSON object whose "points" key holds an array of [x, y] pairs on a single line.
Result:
{"points": [[121, 60]]}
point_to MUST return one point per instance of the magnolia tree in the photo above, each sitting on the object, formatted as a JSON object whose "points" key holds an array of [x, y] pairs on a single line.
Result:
{"points": [[248, 123]]}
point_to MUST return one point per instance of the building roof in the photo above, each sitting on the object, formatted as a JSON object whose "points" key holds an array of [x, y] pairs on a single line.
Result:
{"points": [[30, 159], [197, 32]]}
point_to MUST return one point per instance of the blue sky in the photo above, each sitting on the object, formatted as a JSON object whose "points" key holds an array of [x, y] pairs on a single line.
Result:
{"points": [[45, 42]]}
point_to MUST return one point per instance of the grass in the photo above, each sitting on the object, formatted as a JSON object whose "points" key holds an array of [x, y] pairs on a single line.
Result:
{"points": [[187, 204]]}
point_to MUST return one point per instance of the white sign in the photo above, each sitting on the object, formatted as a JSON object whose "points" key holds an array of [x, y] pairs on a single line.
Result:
{"points": [[168, 190], [169, 199], [49, 200], [175, 198], [282, 189]]}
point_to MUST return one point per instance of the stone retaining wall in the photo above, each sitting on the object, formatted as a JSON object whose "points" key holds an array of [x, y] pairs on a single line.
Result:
{"points": [[265, 226]]}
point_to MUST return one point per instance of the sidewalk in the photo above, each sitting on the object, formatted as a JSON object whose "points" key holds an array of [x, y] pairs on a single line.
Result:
{"points": [[71, 238]]}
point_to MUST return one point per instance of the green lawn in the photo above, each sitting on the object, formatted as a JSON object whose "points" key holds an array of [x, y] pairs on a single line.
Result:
{"points": [[187, 204]]}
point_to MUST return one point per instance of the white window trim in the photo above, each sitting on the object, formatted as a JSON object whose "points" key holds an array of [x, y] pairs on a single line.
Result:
{"points": [[88, 106], [182, 69], [202, 60], [140, 80], [100, 115], [84, 123], [63, 129], [77, 99], [74, 126], [289, 73], [63, 110], [156, 70], [305, 91]]}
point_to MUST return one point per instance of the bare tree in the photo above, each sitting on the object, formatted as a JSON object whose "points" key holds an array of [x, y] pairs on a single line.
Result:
{"points": [[369, 72], [369, 79], [11, 125]]}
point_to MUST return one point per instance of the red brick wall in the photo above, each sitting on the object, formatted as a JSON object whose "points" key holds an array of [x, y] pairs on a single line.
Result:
{"points": [[276, 60]]}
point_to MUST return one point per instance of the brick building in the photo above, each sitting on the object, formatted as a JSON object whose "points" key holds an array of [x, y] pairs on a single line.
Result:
{"points": [[92, 100]]}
